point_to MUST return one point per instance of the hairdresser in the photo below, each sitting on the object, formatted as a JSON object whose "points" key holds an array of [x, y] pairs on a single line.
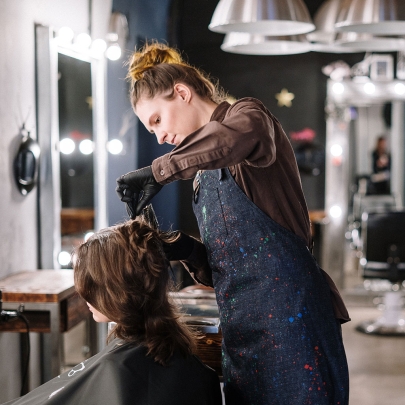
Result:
{"points": [[280, 313]]}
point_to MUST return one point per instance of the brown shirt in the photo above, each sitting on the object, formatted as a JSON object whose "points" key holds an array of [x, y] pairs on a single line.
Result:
{"points": [[249, 140]]}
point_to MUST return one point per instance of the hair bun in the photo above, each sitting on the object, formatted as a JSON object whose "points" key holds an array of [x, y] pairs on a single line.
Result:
{"points": [[150, 55]]}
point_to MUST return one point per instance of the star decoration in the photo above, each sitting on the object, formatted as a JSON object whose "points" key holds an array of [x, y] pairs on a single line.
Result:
{"points": [[285, 98]]}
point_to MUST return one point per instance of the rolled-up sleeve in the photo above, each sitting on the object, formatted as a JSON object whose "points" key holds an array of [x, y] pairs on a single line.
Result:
{"points": [[246, 134]]}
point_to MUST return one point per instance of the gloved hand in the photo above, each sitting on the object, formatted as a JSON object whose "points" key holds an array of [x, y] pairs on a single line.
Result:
{"points": [[180, 249], [136, 189]]}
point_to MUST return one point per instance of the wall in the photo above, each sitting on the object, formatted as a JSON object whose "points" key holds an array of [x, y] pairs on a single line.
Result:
{"points": [[146, 20], [18, 231]]}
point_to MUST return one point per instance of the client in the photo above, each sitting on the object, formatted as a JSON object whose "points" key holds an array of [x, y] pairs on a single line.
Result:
{"points": [[122, 273]]}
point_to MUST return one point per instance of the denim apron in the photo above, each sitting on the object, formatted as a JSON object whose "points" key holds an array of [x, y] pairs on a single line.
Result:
{"points": [[281, 342]]}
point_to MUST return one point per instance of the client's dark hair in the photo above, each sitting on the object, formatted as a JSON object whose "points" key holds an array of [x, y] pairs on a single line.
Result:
{"points": [[123, 273]]}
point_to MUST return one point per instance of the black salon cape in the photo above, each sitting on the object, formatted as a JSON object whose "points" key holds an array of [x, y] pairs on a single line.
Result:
{"points": [[122, 374]]}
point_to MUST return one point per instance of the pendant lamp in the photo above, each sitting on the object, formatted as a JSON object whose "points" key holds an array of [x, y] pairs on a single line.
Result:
{"points": [[379, 17], [256, 44], [324, 36], [369, 43], [324, 20], [267, 17]]}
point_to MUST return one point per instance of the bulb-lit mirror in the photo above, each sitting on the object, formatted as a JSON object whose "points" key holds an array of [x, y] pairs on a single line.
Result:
{"points": [[76, 146], [72, 136], [361, 113]]}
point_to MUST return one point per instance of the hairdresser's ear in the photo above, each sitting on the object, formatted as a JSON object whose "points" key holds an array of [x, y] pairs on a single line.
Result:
{"points": [[183, 91]]}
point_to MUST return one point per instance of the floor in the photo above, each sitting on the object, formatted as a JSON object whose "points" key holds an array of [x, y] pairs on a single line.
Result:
{"points": [[376, 363]]}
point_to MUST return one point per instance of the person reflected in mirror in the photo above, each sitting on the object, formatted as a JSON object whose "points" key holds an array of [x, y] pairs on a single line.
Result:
{"points": [[280, 313], [122, 273], [381, 160]]}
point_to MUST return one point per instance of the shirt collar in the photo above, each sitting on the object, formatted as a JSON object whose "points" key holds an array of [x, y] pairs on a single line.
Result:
{"points": [[220, 111]]}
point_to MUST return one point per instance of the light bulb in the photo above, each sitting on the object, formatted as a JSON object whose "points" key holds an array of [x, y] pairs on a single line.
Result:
{"points": [[88, 235], [399, 89], [369, 88], [338, 88], [65, 35], [83, 40], [336, 150], [98, 47], [115, 146], [86, 147], [67, 146], [64, 258], [113, 52], [335, 211]]}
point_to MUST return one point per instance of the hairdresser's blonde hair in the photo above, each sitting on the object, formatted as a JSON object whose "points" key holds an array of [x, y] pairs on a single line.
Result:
{"points": [[156, 68], [122, 271]]}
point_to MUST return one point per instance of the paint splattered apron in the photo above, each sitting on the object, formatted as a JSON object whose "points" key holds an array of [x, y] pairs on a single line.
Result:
{"points": [[281, 342]]}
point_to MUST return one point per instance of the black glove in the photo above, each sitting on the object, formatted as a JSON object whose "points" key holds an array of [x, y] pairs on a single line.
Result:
{"points": [[180, 249], [136, 189]]}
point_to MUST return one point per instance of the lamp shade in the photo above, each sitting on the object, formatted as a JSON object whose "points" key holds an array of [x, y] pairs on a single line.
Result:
{"points": [[267, 17], [324, 20], [256, 44], [324, 36], [334, 47], [369, 43], [380, 17]]}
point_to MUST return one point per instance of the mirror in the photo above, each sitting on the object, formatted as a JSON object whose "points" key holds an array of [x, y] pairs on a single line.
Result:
{"points": [[358, 112], [70, 105], [76, 152]]}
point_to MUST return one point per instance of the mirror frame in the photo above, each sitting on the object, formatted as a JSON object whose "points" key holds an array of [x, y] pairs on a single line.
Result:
{"points": [[49, 200]]}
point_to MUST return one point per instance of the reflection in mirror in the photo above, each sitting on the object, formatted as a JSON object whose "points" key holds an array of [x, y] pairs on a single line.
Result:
{"points": [[76, 152], [358, 113]]}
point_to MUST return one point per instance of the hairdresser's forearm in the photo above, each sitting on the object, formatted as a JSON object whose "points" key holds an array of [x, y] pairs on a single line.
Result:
{"points": [[241, 138]]}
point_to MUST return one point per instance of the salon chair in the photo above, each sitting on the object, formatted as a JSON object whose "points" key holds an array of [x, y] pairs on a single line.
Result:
{"points": [[383, 259], [368, 203]]}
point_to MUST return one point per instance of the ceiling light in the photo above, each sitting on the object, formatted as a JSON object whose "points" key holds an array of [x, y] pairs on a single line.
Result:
{"points": [[324, 36], [369, 43], [380, 17], [324, 20], [256, 44], [267, 17]]}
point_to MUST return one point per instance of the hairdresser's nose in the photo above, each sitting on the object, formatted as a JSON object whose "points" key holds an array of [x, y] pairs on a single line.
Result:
{"points": [[161, 137]]}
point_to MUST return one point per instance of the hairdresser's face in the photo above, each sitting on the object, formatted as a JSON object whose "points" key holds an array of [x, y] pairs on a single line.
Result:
{"points": [[171, 120], [98, 316]]}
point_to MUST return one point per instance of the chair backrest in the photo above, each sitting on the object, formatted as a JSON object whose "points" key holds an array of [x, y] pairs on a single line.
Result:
{"points": [[383, 235], [374, 203]]}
